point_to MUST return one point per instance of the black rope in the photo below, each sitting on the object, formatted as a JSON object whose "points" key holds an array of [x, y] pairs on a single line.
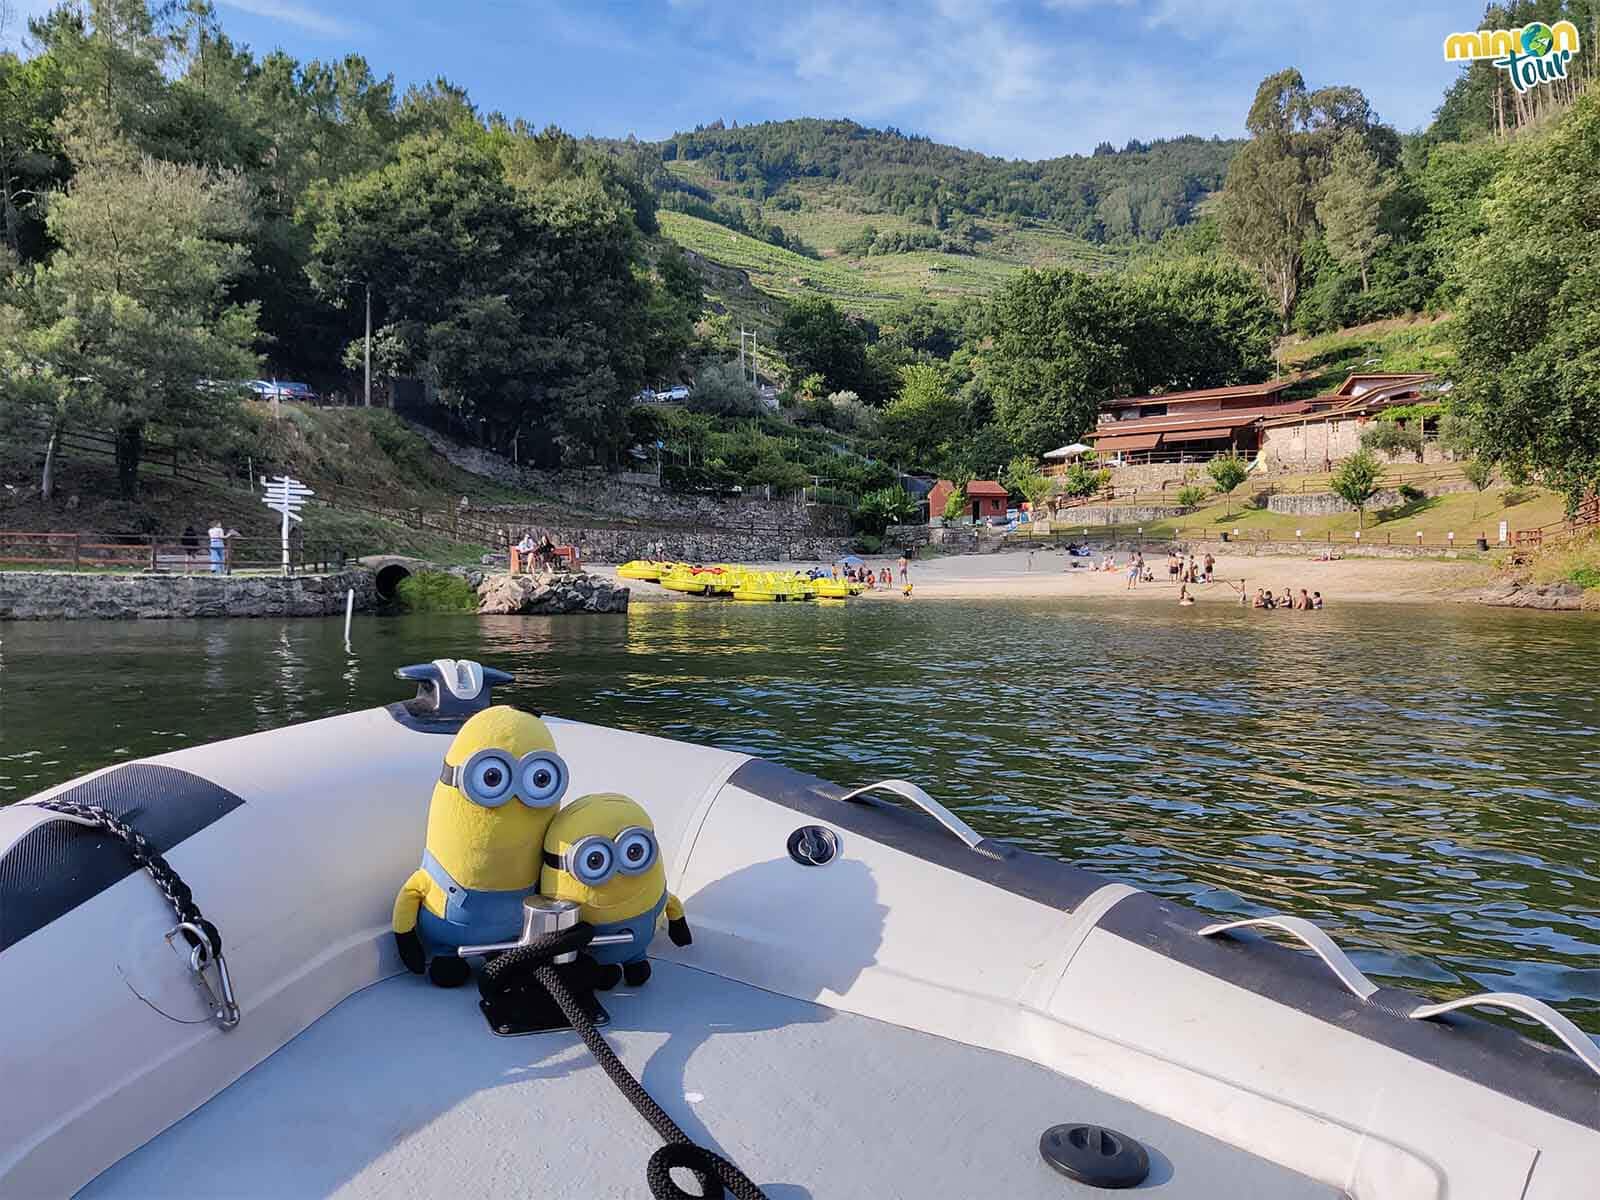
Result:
{"points": [[145, 856], [713, 1171]]}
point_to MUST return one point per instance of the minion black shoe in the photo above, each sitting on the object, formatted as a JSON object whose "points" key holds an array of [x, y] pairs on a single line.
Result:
{"points": [[448, 972], [636, 973]]}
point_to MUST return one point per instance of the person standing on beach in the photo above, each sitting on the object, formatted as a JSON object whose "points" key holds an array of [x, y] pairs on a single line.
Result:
{"points": [[1135, 569], [1211, 567], [904, 576]]}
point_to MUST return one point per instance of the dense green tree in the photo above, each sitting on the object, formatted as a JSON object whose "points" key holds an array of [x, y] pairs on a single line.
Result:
{"points": [[31, 99], [721, 389], [1200, 323], [815, 336], [882, 507], [919, 425], [525, 301], [1350, 206], [1060, 345], [1269, 201], [1356, 481], [1528, 327], [1227, 472], [130, 319]]}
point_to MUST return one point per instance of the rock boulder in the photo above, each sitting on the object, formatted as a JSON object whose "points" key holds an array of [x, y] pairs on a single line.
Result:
{"points": [[550, 592]]}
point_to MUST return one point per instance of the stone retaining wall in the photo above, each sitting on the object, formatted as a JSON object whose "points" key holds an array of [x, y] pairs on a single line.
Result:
{"points": [[701, 545], [1326, 504], [65, 595], [630, 496], [1091, 515], [1311, 547]]}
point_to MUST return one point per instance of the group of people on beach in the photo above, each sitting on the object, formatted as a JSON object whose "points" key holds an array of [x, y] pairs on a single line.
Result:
{"points": [[1287, 600], [1179, 571], [870, 579]]}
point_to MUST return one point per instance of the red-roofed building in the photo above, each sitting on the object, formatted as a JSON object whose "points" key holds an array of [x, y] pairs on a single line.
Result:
{"points": [[1330, 426], [985, 498], [1192, 426]]}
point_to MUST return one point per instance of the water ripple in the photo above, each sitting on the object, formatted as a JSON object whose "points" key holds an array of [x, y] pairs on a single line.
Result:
{"points": [[1414, 779]]}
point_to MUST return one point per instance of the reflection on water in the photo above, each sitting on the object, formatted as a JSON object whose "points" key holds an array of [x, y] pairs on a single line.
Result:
{"points": [[1420, 781]]}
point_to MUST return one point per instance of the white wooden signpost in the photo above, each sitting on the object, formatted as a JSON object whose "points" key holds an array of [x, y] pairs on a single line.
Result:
{"points": [[287, 496]]}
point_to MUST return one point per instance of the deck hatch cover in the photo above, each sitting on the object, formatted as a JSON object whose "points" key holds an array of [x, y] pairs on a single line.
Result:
{"points": [[57, 865], [1095, 1155]]}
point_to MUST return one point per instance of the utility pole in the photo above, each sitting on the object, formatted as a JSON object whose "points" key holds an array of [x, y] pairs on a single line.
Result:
{"points": [[367, 353], [741, 352]]}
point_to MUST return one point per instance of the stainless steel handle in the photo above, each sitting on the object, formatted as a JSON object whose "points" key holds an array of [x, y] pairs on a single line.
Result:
{"points": [[1574, 1038], [603, 939], [1324, 946], [911, 792]]}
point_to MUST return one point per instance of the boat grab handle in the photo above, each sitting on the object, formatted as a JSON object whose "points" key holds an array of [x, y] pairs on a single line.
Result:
{"points": [[1325, 947], [1574, 1038], [911, 792], [1363, 988]]}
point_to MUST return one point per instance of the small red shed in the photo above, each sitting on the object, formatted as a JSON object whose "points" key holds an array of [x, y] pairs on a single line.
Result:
{"points": [[985, 498]]}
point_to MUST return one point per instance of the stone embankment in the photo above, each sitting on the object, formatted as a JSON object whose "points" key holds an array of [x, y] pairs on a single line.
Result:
{"points": [[1326, 504], [549, 593], [65, 595]]}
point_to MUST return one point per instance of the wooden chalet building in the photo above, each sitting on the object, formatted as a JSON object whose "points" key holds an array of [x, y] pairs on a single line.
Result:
{"points": [[1191, 426]]}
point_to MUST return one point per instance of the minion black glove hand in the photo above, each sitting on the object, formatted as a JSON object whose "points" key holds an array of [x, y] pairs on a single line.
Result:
{"points": [[411, 953], [678, 931]]}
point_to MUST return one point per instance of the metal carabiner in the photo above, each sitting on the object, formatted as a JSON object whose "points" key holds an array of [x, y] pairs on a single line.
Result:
{"points": [[202, 954]]}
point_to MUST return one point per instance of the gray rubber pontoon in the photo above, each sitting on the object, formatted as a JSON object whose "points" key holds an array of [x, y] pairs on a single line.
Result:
{"points": [[904, 1019]]}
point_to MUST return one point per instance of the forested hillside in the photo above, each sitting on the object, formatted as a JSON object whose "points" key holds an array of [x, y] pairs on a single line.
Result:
{"points": [[1137, 192], [178, 213]]}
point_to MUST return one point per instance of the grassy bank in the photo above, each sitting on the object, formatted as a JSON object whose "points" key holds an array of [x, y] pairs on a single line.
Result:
{"points": [[1466, 514], [436, 591], [1417, 343]]}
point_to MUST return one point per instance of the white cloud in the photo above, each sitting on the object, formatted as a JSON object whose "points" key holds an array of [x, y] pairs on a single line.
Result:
{"points": [[302, 17]]}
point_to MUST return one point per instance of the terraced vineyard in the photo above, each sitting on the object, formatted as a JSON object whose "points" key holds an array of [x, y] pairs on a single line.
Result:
{"points": [[866, 285]]}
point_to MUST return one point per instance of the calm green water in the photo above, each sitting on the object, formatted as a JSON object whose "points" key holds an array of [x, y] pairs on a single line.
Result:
{"points": [[1423, 781]]}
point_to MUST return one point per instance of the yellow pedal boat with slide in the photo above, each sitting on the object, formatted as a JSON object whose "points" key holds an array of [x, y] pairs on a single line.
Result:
{"points": [[644, 568]]}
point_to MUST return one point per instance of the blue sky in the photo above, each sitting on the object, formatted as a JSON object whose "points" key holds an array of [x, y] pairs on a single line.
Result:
{"points": [[1028, 79]]}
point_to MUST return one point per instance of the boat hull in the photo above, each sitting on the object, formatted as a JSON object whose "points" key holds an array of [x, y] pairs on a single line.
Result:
{"points": [[1242, 1041]]}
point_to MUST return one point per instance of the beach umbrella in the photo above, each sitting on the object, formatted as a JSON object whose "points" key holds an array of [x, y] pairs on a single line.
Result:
{"points": [[1071, 451], [852, 560]]}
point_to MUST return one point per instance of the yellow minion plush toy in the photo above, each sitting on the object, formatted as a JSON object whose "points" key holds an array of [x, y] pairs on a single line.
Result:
{"points": [[497, 792], [601, 852]]}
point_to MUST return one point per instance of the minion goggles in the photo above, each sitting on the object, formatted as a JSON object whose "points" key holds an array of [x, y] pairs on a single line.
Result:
{"points": [[490, 777], [593, 860]]}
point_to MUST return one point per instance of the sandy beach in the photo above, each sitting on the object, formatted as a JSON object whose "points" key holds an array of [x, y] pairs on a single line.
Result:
{"points": [[1010, 574]]}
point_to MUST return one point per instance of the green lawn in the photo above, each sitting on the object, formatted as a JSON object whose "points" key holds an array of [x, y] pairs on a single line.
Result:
{"points": [[1467, 514]]}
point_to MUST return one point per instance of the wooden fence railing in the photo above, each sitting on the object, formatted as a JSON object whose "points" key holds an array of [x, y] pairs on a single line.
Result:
{"points": [[134, 552]]}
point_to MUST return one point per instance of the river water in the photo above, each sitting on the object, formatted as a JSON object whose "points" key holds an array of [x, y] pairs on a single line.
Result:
{"points": [[1420, 780]]}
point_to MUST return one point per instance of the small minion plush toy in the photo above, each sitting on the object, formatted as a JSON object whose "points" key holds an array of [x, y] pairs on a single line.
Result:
{"points": [[601, 852], [497, 793]]}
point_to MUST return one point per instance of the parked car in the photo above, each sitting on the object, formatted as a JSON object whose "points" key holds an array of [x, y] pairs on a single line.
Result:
{"points": [[283, 389], [679, 392]]}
